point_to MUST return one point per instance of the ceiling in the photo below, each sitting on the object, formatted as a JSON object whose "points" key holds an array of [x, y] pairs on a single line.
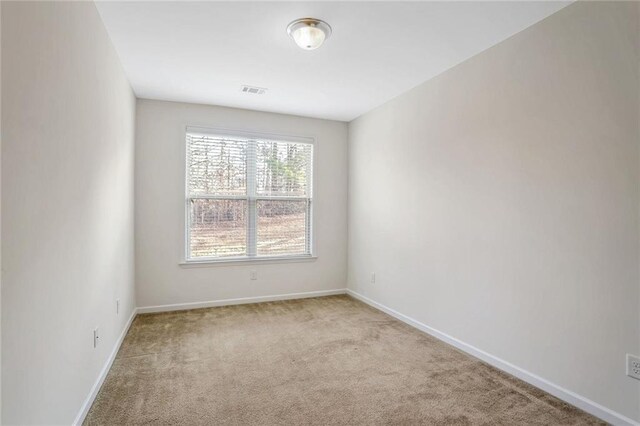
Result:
{"points": [[202, 52]]}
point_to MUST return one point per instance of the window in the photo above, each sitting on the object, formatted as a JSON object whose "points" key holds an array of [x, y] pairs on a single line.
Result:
{"points": [[247, 197]]}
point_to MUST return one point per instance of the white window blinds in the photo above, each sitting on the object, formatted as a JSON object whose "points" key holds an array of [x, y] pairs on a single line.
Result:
{"points": [[247, 197]]}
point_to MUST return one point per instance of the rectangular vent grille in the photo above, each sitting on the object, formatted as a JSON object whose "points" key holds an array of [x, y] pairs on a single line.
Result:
{"points": [[253, 90]]}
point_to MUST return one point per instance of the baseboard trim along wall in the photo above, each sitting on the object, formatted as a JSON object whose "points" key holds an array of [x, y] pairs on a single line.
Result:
{"points": [[103, 373], [239, 301], [566, 395]]}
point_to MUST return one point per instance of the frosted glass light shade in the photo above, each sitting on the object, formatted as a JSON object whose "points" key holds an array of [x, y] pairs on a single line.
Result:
{"points": [[308, 38], [309, 33]]}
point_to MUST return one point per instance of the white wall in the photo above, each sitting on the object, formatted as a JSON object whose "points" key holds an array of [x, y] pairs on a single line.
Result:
{"points": [[498, 202], [67, 206], [160, 198]]}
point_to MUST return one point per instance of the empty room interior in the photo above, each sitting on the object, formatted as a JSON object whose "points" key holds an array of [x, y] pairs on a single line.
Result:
{"points": [[320, 213]]}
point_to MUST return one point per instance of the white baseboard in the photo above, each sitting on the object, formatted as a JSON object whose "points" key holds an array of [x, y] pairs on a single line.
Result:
{"points": [[566, 395], [103, 373], [239, 301]]}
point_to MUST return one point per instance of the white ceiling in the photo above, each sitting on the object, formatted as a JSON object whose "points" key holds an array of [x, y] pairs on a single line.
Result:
{"points": [[202, 52]]}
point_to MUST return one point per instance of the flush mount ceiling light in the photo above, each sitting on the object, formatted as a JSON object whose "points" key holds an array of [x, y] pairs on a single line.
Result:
{"points": [[309, 33]]}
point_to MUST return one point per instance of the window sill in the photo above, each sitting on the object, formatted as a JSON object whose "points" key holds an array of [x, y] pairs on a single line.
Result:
{"points": [[239, 262]]}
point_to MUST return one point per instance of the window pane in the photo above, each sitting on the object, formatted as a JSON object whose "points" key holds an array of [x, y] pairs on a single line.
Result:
{"points": [[282, 227], [216, 166], [218, 228], [283, 168]]}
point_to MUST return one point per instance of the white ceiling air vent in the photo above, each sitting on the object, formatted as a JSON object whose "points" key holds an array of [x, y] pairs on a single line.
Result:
{"points": [[253, 90]]}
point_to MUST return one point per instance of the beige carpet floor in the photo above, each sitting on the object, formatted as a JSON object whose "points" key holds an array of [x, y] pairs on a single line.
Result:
{"points": [[323, 361]]}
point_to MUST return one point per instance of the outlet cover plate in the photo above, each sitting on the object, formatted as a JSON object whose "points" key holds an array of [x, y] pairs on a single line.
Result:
{"points": [[633, 366]]}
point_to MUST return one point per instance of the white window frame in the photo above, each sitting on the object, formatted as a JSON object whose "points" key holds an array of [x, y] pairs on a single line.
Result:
{"points": [[251, 199]]}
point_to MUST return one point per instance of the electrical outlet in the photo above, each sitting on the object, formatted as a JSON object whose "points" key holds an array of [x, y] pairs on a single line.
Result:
{"points": [[373, 278], [253, 275], [633, 366], [117, 306], [96, 337]]}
